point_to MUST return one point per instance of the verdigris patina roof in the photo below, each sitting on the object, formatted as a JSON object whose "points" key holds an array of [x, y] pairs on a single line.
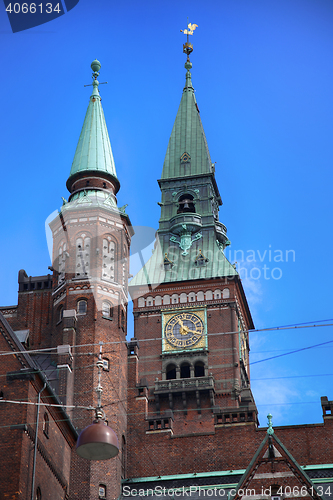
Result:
{"points": [[93, 151]]}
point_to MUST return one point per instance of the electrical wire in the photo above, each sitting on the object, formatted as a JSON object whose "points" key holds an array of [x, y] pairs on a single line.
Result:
{"points": [[260, 330]]}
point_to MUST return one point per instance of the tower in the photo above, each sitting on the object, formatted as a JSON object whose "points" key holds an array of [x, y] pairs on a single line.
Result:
{"points": [[189, 361], [91, 240]]}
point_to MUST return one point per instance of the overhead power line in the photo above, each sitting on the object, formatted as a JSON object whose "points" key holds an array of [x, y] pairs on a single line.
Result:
{"points": [[317, 324]]}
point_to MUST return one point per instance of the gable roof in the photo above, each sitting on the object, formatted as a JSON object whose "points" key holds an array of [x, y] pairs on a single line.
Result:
{"points": [[273, 455]]}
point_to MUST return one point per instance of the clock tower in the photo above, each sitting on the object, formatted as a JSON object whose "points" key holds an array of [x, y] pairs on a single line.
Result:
{"points": [[190, 354]]}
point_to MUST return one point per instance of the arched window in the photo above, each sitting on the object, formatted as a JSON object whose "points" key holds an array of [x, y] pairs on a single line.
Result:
{"points": [[158, 300], [82, 306], [217, 294], [166, 299], [226, 293], [82, 256], [107, 310], [185, 371], [46, 424], [141, 302], [174, 298], [62, 262], [186, 204], [199, 369], [171, 372], [109, 255], [38, 494], [209, 295], [60, 313]]}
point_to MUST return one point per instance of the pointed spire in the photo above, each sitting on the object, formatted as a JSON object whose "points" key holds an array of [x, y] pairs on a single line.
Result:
{"points": [[93, 153], [187, 135]]}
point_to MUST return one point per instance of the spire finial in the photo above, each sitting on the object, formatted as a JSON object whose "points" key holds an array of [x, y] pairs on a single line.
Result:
{"points": [[95, 66], [188, 47], [270, 429]]}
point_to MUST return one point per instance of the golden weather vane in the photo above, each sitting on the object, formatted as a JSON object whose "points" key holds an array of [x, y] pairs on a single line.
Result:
{"points": [[188, 47]]}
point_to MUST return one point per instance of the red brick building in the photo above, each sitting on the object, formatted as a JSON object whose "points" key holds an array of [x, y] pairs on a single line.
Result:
{"points": [[178, 395]]}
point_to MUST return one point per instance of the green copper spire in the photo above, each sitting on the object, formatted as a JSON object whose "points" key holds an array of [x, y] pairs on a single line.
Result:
{"points": [[190, 239], [93, 153], [187, 137]]}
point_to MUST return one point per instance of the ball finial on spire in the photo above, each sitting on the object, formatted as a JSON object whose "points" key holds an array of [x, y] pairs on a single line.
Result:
{"points": [[95, 66]]}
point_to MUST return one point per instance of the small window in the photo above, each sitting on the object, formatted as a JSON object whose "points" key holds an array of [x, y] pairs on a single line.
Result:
{"points": [[122, 320], [105, 364], [82, 307], [107, 310], [102, 491], [123, 456], [46, 424], [38, 494], [60, 313]]}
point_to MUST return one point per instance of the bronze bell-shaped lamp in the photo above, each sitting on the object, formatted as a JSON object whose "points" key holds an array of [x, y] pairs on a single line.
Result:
{"points": [[98, 441]]}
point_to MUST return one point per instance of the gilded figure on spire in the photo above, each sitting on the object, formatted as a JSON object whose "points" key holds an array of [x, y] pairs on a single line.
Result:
{"points": [[188, 47]]}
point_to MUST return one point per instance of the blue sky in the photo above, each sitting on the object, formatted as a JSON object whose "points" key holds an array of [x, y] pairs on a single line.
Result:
{"points": [[263, 76]]}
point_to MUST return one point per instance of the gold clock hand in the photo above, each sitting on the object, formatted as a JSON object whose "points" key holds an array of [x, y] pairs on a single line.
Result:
{"points": [[180, 322]]}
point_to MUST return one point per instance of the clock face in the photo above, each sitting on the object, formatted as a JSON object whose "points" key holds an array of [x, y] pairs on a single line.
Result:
{"points": [[184, 330]]}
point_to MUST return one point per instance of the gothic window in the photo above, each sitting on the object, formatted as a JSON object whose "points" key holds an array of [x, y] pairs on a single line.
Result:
{"points": [[171, 372], [185, 371], [199, 369], [82, 256], [226, 293], [62, 262], [46, 424], [82, 306], [141, 302], [186, 204], [109, 256]]}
